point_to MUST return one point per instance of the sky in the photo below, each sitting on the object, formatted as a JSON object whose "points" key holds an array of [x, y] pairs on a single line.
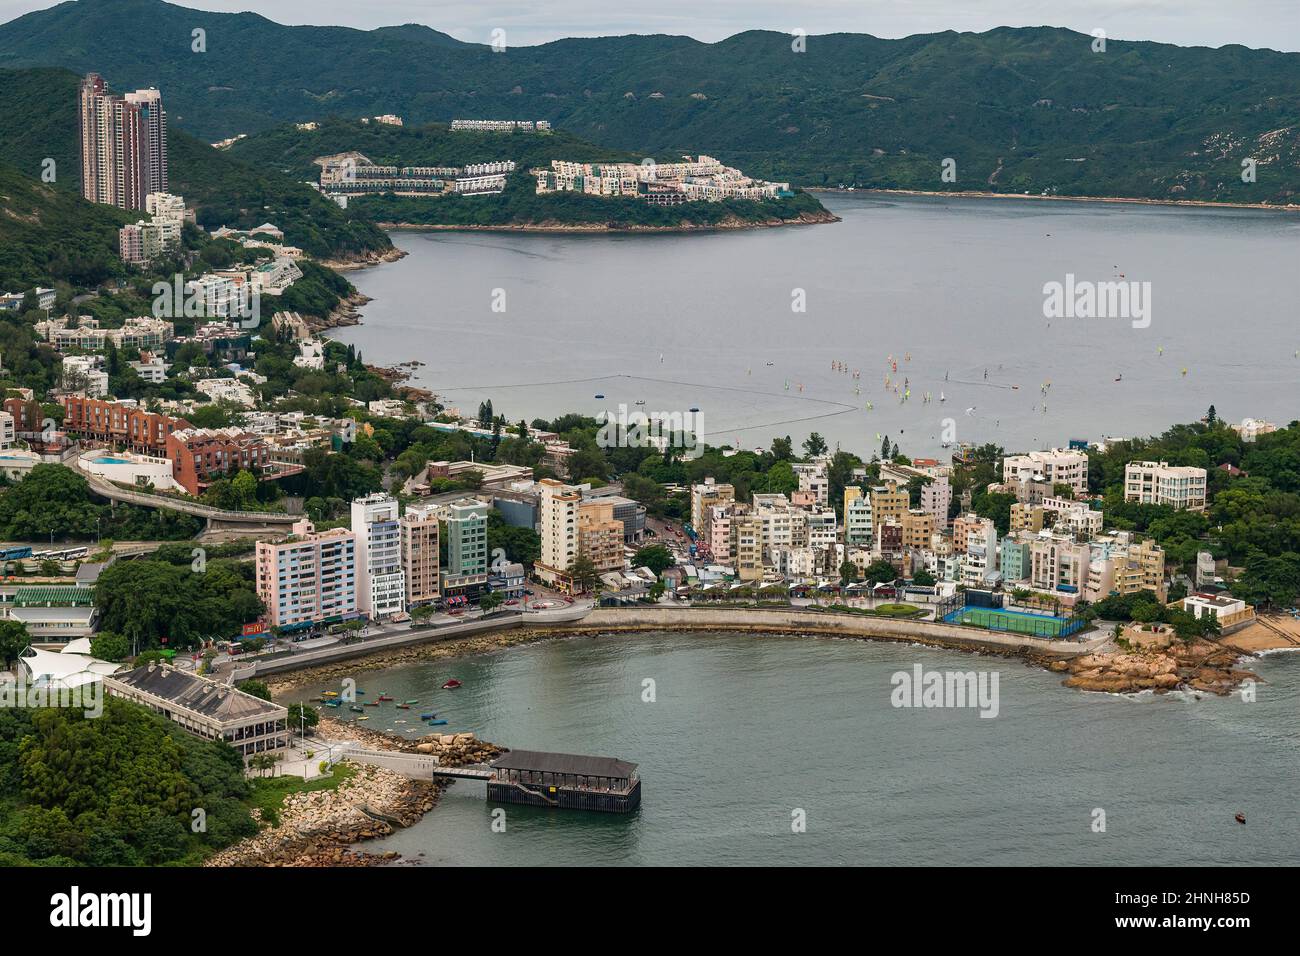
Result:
{"points": [[1274, 24]]}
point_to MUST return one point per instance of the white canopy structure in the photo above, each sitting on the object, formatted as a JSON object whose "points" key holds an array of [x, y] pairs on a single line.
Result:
{"points": [[67, 669]]}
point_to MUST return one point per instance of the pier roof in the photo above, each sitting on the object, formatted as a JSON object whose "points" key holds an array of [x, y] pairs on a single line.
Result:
{"points": [[572, 764]]}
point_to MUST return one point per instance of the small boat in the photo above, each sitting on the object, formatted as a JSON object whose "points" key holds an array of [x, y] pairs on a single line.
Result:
{"points": [[428, 716], [361, 693], [640, 401], [437, 723], [403, 706], [383, 697], [413, 700], [453, 683], [694, 408], [599, 395], [329, 693], [356, 710], [1240, 818], [333, 703], [371, 703], [363, 718]]}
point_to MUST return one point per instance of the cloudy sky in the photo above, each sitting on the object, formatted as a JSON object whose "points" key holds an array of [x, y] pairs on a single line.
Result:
{"points": [[1256, 23]]}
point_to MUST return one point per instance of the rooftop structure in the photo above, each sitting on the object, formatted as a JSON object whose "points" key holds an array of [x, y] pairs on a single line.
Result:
{"points": [[205, 708]]}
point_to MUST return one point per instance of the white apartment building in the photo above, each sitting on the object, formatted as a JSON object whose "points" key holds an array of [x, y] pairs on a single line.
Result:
{"points": [[784, 526], [311, 354], [1159, 483], [812, 478], [7, 433], [227, 390], [558, 526], [153, 371], [272, 278], [83, 373], [1058, 466], [381, 584], [704, 497], [1074, 517], [823, 529], [795, 563], [1251, 428], [1058, 563]]}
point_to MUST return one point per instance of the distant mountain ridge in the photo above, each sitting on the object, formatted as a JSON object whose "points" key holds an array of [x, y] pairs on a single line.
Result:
{"points": [[1016, 109]]}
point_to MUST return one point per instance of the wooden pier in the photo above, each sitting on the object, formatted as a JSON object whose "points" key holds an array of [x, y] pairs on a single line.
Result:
{"points": [[566, 781]]}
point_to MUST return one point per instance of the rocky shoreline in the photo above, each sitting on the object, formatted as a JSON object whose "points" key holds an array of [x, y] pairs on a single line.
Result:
{"points": [[392, 254], [1199, 666], [803, 219], [317, 828], [347, 312]]}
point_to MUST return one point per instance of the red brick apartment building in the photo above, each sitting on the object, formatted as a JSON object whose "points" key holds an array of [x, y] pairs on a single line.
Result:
{"points": [[26, 412], [200, 456], [119, 423]]}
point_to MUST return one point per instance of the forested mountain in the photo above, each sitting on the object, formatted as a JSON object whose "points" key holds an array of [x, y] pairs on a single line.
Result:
{"points": [[1022, 110]]}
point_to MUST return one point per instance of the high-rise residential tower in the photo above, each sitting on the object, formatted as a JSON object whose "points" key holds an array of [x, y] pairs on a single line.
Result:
{"points": [[381, 585], [123, 144]]}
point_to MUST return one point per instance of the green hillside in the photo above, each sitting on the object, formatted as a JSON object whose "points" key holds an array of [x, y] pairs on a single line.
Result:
{"points": [[49, 234], [1018, 110], [291, 151], [39, 122]]}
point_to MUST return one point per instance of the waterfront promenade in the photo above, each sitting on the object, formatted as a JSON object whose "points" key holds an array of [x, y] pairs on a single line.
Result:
{"points": [[584, 619]]}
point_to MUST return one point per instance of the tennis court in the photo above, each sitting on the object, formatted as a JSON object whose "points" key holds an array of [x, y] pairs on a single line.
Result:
{"points": [[1021, 622]]}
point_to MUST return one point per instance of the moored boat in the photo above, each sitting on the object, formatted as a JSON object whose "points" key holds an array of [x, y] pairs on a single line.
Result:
{"points": [[453, 683]]}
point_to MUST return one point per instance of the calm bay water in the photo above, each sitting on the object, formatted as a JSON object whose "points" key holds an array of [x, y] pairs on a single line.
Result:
{"points": [[957, 284], [746, 729]]}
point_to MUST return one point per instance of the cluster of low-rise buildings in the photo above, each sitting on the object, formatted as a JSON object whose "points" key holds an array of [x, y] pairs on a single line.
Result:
{"points": [[501, 126], [353, 174], [164, 447], [702, 178], [143, 241], [1056, 547], [383, 565]]}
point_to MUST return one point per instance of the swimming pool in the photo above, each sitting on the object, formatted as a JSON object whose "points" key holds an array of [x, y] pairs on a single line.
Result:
{"points": [[110, 461]]}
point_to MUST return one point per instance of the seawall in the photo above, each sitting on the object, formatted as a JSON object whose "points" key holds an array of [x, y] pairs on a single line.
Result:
{"points": [[795, 621], [480, 636]]}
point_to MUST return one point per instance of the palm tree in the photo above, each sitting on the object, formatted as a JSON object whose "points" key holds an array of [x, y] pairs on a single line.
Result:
{"points": [[583, 574]]}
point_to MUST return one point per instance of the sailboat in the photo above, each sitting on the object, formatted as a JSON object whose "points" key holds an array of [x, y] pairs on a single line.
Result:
{"points": [[942, 397]]}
